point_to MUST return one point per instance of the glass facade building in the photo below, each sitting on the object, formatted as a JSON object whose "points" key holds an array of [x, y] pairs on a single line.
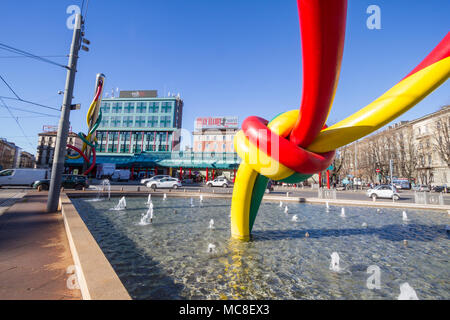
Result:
{"points": [[141, 124]]}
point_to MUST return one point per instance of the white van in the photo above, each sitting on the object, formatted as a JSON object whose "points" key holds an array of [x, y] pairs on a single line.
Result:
{"points": [[121, 175], [22, 177]]}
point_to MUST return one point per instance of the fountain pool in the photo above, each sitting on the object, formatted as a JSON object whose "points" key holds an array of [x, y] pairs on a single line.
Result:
{"points": [[168, 259]]}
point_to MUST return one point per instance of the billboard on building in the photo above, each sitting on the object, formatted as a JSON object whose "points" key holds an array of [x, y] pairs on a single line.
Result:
{"points": [[216, 123], [139, 94]]}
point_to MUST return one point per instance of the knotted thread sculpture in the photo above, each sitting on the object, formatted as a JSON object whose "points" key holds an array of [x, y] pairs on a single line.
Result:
{"points": [[297, 144], [93, 120]]}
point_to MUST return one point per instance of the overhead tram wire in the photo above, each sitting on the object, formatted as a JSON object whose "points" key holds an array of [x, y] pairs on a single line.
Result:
{"points": [[22, 56], [22, 100], [30, 55], [33, 103], [34, 112], [17, 121]]}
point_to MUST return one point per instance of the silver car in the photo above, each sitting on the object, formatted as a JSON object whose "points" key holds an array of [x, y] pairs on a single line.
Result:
{"points": [[147, 180], [164, 183], [219, 182]]}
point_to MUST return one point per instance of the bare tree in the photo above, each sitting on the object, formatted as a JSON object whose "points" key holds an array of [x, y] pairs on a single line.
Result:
{"points": [[441, 138]]}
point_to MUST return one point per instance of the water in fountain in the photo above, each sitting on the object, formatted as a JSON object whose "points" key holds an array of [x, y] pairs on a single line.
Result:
{"points": [[364, 225], [211, 224], [121, 205], [407, 292], [211, 248], [343, 212], [281, 204], [106, 185], [405, 216], [149, 199], [295, 218], [201, 198], [334, 265], [286, 209], [165, 196], [327, 206], [147, 218]]}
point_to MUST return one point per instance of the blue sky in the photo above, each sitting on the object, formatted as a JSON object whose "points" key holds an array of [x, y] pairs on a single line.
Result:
{"points": [[235, 57]]}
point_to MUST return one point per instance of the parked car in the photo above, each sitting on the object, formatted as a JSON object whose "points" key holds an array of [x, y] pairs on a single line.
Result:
{"points": [[421, 187], [22, 177], [444, 189], [146, 180], [383, 191], [218, 182], [69, 181], [171, 183]]}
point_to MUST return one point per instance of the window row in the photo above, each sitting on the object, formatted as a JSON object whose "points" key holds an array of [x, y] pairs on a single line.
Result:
{"points": [[137, 121], [137, 107], [136, 137]]}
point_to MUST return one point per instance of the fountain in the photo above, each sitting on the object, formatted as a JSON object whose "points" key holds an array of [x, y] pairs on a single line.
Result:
{"points": [[407, 292], [192, 203], [295, 218], [172, 237], [147, 218], [165, 196], [100, 189], [364, 225], [343, 212], [286, 210], [334, 265], [149, 199], [327, 206], [211, 224], [281, 204], [106, 185], [201, 198], [405, 216], [211, 248], [121, 205]]}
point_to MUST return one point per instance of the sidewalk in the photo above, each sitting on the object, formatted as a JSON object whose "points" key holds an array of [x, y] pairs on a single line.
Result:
{"points": [[34, 252]]}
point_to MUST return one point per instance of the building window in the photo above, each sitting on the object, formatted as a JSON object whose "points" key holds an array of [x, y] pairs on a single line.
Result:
{"points": [[127, 121], [153, 107], [129, 107], [105, 122], [166, 107], [116, 121], [166, 122], [150, 136], [139, 122], [117, 107], [106, 107], [152, 121], [141, 107]]}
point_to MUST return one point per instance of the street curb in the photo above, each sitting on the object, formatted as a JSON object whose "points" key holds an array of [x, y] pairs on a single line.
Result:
{"points": [[96, 277]]}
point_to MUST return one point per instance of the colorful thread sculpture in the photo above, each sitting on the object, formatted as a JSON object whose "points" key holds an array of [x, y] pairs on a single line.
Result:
{"points": [[93, 119], [297, 143]]}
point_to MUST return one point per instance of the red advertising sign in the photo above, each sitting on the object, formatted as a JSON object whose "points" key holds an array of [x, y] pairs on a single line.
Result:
{"points": [[216, 123]]}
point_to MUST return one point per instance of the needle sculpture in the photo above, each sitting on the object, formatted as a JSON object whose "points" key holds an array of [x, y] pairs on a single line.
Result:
{"points": [[297, 144], [93, 119]]}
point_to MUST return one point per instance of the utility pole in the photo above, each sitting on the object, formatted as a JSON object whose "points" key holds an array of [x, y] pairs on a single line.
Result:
{"points": [[63, 128]]}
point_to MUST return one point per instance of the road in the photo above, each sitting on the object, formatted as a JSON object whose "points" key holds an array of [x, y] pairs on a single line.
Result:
{"points": [[8, 196], [407, 196]]}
